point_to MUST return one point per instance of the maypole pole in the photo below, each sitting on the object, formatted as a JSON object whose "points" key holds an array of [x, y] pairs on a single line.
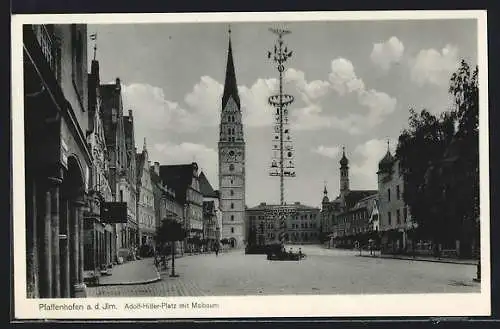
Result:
{"points": [[282, 163]]}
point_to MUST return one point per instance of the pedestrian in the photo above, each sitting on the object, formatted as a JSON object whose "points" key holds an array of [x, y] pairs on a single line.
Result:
{"points": [[216, 251], [300, 253]]}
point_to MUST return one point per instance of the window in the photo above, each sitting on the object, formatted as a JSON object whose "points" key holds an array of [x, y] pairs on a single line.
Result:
{"points": [[398, 193], [398, 216], [231, 167], [232, 205], [405, 214], [231, 181], [232, 192], [121, 195], [232, 229], [389, 217], [232, 217], [389, 194]]}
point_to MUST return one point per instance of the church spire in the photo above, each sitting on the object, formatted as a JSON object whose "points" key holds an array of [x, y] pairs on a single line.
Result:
{"points": [[230, 86]]}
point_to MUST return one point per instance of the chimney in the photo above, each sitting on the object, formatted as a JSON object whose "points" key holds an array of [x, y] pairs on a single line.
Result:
{"points": [[157, 168], [118, 84], [195, 168], [130, 115]]}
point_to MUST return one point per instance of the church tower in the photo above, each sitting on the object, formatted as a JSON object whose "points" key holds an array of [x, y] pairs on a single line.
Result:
{"points": [[344, 174], [232, 160]]}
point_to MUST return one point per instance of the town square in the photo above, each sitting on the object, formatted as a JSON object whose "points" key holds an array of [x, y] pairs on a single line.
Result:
{"points": [[251, 158]]}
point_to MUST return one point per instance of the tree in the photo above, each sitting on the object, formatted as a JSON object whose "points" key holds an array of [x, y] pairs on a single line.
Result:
{"points": [[465, 90], [419, 146], [171, 231], [439, 158]]}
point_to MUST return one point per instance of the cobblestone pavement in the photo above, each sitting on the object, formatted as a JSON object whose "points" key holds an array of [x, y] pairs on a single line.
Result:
{"points": [[324, 271]]}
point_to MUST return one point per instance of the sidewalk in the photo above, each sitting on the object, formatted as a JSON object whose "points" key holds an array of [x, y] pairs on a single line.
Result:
{"points": [[423, 259], [134, 272]]}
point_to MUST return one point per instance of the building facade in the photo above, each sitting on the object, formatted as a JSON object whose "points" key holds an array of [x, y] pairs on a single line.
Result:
{"points": [[130, 184], [212, 215], [302, 223], [183, 180], [58, 160], [231, 149], [395, 219], [344, 215], [99, 236], [145, 200], [119, 173]]}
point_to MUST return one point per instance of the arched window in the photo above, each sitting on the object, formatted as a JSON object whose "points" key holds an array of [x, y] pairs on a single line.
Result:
{"points": [[232, 205]]}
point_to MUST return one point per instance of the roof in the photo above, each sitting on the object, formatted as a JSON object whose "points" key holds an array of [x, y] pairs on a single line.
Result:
{"points": [[387, 161], [298, 206], [178, 178], [344, 161], [205, 187], [354, 196], [109, 100], [230, 85]]}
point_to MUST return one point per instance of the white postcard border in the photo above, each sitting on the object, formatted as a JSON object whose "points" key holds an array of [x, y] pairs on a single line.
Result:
{"points": [[470, 304]]}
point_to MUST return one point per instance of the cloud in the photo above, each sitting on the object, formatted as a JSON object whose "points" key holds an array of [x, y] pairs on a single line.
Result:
{"points": [[327, 151], [310, 90], [255, 108], [205, 157], [205, 101], [434, 67], [343, 78], [386, 53], [365, 159]]}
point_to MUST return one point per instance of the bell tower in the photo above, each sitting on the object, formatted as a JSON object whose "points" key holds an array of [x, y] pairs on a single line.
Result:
{"points": [[344, 174], [231, 149]]}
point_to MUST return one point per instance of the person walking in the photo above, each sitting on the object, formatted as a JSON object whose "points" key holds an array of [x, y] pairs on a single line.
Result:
{"points": [[216, 251]]}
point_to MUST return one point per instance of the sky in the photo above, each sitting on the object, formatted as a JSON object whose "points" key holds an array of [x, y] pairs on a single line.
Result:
{"points": [[353, 83]]}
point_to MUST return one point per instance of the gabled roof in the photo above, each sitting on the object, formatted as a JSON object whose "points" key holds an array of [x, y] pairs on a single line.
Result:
{"points": [[205, 188], [178, 178]]}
